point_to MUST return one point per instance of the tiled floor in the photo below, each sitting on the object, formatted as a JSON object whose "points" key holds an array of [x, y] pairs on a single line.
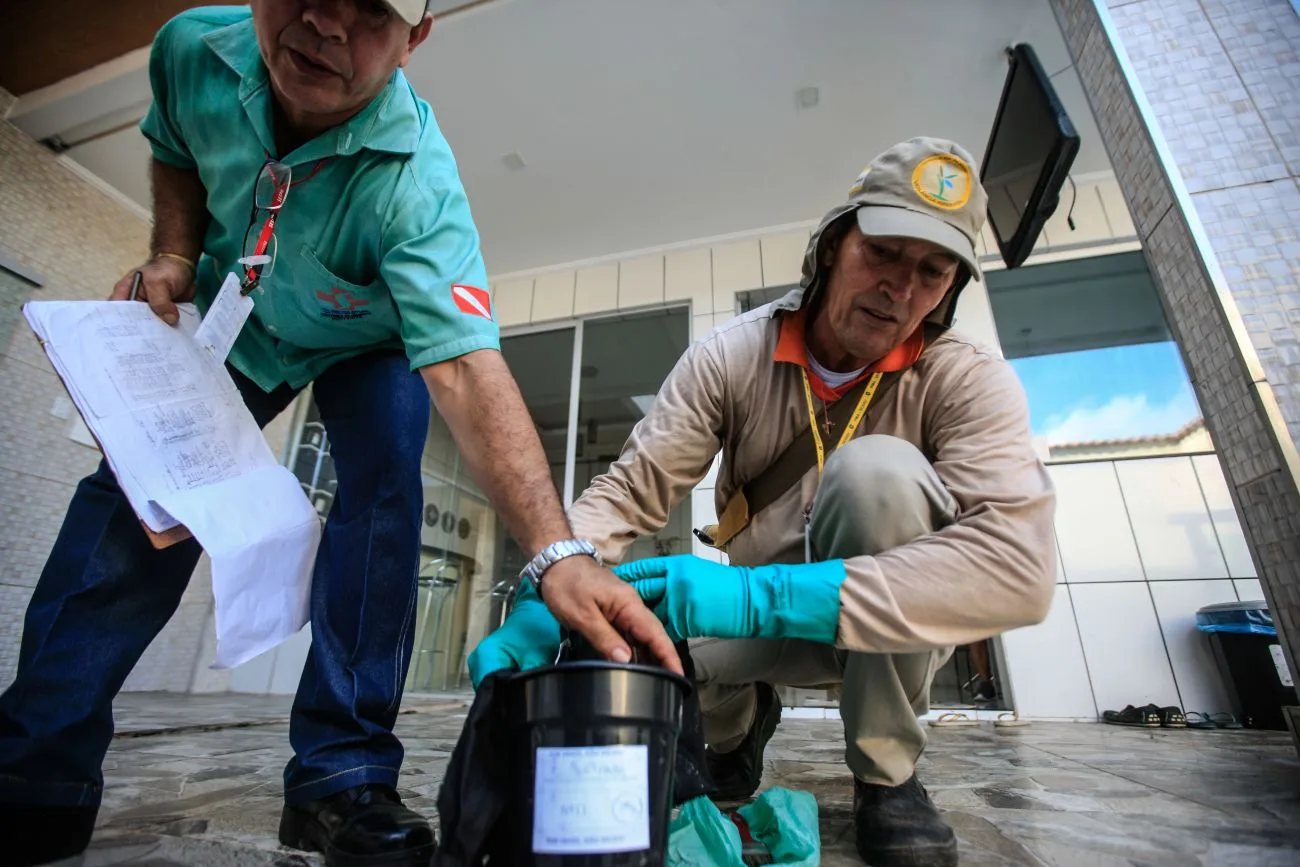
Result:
{"points": [[183, 789]]}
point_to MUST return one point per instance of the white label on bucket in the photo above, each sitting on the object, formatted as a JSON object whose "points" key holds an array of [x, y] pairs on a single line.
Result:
{"points": [[591, 800], [1279, 662]]}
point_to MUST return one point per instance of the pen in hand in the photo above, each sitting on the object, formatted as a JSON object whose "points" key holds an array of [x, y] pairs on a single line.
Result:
{"points": [[135, 285]]}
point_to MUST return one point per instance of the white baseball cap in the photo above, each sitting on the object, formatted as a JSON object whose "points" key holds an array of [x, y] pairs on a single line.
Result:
{"points": [[410, 11]]}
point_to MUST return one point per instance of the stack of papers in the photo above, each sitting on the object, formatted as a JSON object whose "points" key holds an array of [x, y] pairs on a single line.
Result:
{"points": [[186, 451]]}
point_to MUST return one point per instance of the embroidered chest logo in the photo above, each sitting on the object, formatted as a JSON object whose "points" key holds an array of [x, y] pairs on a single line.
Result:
{"points": [[339, 303]]}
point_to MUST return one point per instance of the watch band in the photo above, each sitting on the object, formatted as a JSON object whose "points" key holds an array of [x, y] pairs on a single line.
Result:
{"points": [[554, 553]]}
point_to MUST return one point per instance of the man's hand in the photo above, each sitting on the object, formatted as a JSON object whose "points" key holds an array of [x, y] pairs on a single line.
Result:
{"points": [[698, 598], [593, 601], [163, 282], [500, 444]]}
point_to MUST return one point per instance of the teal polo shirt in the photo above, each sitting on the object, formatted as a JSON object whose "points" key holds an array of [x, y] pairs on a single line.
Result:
{"points": [[376, 246]]}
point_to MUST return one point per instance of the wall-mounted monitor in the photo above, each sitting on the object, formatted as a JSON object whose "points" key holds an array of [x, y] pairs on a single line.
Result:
{"points": [[1028, 158]]}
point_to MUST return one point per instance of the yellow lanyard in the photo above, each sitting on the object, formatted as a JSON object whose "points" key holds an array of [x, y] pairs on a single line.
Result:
{"points": [[854, 420]]}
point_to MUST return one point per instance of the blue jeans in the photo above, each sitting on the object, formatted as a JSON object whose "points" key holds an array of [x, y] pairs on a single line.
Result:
{"points": [[106, 592]]}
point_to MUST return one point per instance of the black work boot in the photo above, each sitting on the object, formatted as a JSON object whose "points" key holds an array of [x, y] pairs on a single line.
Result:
{"points": [[364, 826], [899, 826], [737, 773], [32, 834]]}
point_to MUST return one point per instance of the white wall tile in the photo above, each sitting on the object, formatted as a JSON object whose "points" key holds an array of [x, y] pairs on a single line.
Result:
{"points": [[1060, 570], [1122, 645], [553, 296], [974, 316], [641, 281], [1092, 528], [689, 275], [711, 478], [596, 290], [1170, 521], [253, 676], [736, 268], [286, 671], [703, 513], [1199, 684], [1248, 589], [783, 258], [1045, 665], [701, 326], [1227, 526], [512, 301]]}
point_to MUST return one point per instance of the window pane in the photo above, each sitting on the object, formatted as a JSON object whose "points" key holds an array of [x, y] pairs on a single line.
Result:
{"points": [[1090, 343], [624, 362]]}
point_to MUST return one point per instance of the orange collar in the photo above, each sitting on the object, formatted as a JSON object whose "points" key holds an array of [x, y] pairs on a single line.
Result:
{"points": [[791, 347]]}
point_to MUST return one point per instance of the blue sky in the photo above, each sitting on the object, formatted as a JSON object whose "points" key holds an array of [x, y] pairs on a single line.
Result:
{"points": [[1112, 393]]}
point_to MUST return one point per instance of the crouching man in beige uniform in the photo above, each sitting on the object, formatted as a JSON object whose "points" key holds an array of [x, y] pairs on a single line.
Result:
{"points": [[877, 482]]}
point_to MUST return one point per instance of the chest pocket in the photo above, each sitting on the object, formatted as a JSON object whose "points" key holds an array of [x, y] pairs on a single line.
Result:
{"points": [[316, 309]]}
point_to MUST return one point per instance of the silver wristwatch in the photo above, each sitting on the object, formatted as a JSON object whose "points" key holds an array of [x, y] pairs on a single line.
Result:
{"points": [[554, 553]]}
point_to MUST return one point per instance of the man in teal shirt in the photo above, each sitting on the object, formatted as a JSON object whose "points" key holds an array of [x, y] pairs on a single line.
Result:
{"points": [[290, 150]]}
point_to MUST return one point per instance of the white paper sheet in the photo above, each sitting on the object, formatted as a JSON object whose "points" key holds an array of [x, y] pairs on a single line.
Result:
{"points": [[591, 800], [166, 412], [262, 535], [186, 450]]}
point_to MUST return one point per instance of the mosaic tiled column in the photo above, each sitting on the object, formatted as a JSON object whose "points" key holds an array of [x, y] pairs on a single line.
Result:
{"points": [[1198, 103]]}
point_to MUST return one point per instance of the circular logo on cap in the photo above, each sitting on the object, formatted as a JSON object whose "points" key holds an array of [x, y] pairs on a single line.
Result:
{"points": [[943, 181], [860, 183]]}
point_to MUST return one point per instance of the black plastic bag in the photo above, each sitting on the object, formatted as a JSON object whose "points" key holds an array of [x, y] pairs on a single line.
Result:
{"points": [[476, 791]]}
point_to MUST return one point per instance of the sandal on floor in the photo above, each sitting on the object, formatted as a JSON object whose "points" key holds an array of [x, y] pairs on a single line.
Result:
{"points": [[1199, 721], [1009, 720], [1224, 720], [1170, 717], [1141, 717], [952, 721]]}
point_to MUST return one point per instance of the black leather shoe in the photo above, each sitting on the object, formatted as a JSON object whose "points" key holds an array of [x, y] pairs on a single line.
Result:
{"points": [[31, 834], [364, 826], [899, 826], [737, 773]]}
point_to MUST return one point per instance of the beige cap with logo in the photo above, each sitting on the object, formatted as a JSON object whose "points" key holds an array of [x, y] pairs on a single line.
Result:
{"points": [[410, 11], [924, 188]]}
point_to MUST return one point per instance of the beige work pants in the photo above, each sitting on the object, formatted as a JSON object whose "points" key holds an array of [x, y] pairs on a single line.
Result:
{"points": [[877, 492]]}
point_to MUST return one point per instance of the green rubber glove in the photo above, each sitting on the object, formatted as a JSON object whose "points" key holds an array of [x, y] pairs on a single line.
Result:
{"points": [[698, 598], [529, 638]]}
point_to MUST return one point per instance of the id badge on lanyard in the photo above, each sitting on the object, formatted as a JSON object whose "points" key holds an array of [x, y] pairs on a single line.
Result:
{"points": [[859, 412]]}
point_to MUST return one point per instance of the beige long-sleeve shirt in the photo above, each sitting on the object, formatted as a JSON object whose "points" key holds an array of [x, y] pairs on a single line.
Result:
{"points": [[959, 403]]}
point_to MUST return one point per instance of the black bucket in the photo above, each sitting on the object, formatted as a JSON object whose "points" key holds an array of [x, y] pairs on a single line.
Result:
{"points": [[598, 743]]}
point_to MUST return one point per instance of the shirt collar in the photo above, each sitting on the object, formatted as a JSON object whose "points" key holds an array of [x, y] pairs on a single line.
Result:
{"points": [[792, 348], [390, 123]]}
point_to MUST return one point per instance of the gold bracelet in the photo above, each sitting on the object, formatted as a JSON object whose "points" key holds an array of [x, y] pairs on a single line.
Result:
{"points": [[179, 258]]}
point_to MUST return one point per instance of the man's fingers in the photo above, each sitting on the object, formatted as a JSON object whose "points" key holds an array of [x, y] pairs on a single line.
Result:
{"points": [[604, 638], [122, 290], [638, 570], [162, 304], [487, 658], [644, 627], [651, 590]]}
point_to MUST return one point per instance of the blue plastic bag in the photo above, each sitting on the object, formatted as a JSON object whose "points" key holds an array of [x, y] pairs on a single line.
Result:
{"points": [[782, 820], [1238, 619]]}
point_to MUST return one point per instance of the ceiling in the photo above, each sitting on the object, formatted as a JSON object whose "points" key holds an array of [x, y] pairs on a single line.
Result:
{"points": [[642, 125], [46, 42]]}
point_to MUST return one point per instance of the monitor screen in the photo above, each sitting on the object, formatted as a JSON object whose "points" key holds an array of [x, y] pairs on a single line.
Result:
{"points": [[1030, 151]]}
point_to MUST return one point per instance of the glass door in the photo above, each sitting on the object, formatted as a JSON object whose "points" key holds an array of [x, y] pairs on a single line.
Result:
{"points": [[469, 562]]}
